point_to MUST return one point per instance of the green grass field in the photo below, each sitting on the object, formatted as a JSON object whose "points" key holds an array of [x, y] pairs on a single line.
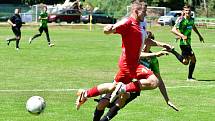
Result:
{"points": [[82, 59]]}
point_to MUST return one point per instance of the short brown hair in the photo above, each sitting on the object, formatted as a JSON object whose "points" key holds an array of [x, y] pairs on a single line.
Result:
{"points": [[132, 1], [186, 6]]}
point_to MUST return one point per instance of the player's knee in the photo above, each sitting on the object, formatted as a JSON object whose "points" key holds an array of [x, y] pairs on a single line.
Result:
{"points": [[150, 83], [112, 87], [185, 61], [102, 104], [193, 60], [122, 100], [154, 82], [18, 38]]}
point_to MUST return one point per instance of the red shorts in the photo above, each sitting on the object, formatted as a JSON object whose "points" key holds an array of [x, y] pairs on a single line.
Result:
{"points": [[125, 76]]}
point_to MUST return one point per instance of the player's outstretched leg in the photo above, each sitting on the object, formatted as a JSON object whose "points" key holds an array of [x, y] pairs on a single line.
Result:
{"points": [[10, 39], [143, 84], [81, 98], [32, 38]]}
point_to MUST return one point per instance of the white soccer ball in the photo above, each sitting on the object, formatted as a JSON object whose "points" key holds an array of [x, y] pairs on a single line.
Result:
{"points": [[35, 104]]}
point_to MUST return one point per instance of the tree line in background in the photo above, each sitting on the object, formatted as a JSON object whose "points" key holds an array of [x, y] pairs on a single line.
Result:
{"points": [[119, 7]]}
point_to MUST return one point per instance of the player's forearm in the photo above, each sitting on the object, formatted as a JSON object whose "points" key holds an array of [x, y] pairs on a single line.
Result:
{"points": [[176, 32], [109, 29], [157, 43], [10, 22], [196, 30], [44, 18], [145, 54]]}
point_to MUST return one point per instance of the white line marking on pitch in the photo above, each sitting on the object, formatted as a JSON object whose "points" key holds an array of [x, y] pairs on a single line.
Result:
{"points": [[68, 90]]}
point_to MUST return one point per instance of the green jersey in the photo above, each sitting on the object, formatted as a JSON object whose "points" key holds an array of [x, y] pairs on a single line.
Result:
{"points": [[43, 22], [185, 26], [151, 63]]}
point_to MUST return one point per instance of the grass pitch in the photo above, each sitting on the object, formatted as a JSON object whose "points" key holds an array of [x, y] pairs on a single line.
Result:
{"points": [[82, 59]]}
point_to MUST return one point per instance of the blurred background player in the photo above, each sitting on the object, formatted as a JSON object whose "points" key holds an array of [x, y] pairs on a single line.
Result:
{"points": [[43, 26], [16, 22], [183, 29]]}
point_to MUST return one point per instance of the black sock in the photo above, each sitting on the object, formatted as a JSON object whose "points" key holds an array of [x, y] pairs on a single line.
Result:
{"points": [[48, 38], [177, 55], [111, 113], [17, 43], [191, 70], [98, 114], [11, 39], [35, 36]]}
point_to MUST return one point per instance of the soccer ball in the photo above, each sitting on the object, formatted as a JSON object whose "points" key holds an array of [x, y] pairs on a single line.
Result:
{"points": [[35, 105]]}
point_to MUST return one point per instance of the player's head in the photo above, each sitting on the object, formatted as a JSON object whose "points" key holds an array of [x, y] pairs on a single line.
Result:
{"points": [[17, 10], [150, 35], [138, 10], [187, 10], [44, 8]]}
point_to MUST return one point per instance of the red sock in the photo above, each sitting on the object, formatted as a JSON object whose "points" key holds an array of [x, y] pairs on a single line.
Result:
{"points": [[133, 87], [92, 92]]}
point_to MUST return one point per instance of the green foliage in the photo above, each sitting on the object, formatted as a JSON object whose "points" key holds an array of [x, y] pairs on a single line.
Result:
{"points": [[117, 8], [210, 8]]}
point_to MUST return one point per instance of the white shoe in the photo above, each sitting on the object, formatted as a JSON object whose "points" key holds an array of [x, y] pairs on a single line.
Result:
{"points": [[191, 79], [17, 49], [116, 92], [50, 45], [30, 40], [81, 99]]}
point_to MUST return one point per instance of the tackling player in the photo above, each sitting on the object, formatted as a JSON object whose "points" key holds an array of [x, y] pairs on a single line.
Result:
{"points": [[149, 60], [129, 67]]}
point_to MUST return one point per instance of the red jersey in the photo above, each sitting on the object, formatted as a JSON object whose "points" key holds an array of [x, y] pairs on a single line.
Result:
{"points": [[132, 43]]}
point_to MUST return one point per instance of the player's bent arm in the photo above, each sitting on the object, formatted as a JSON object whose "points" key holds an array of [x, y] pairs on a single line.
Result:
{"points": [[10, 22], [176, 32], [197, 32], [152, 42], [157, 54], [109, 29], [43, 18]]}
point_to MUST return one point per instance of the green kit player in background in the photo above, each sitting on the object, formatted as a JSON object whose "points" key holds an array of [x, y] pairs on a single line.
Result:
{"points": [[183, 29], [43, 27]]}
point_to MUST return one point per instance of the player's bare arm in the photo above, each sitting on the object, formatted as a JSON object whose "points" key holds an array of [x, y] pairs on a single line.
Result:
{"points": [[157, 54], [152, 42], [197, 32], [109, 29], [11, 23], [178, 33]]}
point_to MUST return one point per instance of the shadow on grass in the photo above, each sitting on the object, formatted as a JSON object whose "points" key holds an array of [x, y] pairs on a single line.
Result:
{"points": [[206, 80]]}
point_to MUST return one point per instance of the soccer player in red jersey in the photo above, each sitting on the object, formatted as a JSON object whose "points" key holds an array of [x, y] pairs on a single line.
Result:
{"points": [[129, 67]]}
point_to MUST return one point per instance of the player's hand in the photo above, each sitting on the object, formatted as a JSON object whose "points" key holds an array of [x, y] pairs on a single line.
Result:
{"points": [[161, 53], [14, 25], [108, 29], [168, 47], [184, 37], [201, 39], [170, 104]]}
